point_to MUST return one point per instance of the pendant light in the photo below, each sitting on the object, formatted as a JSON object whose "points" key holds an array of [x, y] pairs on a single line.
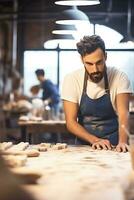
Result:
{"points": [[72, 16], [63, 36], [77, 3], [64, 29]]}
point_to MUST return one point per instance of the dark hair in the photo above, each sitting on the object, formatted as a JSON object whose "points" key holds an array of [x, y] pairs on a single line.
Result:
{"points": [[89, 44], [40, 72]]}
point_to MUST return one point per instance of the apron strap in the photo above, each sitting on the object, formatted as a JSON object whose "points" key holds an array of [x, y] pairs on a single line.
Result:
{"points": [[106, 82], [84, 91]]}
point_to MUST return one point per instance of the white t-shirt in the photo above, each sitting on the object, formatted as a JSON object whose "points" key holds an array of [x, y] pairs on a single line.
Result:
{"points": [[73, 85]]}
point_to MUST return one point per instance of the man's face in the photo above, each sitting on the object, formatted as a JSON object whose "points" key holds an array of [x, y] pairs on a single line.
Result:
{"points": [[95, 64], [40, 78]]}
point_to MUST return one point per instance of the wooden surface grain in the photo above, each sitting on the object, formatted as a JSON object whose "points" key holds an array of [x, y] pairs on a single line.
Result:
{"points": [[80, 173]]}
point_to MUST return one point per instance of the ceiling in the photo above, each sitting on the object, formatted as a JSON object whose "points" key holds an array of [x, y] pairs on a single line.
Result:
{"points": [[117, 14]]}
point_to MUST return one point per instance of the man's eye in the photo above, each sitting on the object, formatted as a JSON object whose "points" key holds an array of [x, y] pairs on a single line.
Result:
{"points": [[89, 64], [100, 62]]}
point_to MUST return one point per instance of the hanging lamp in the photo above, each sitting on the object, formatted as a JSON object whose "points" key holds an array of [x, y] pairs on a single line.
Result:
{"points": [[64, 29], [72, 16], [77, 3]]}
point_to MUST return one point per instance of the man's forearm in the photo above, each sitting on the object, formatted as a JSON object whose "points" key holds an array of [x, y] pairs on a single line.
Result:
{"points": [[81, 132], [123, 129], [123, 137]]}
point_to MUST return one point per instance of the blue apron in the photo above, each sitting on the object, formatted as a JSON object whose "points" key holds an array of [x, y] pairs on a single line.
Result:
{"points": [[97, 116]]}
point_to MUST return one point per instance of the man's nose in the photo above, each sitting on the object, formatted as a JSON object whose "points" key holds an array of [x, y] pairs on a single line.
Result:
{"points": [[95, 67]]}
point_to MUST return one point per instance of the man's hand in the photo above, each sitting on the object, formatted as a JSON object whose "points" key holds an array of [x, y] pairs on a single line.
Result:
{"points": [[102, 144], [122, 147]]}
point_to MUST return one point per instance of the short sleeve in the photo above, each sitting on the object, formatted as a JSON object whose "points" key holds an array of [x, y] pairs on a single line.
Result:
{"points": [[69, 89], [124, 85]]}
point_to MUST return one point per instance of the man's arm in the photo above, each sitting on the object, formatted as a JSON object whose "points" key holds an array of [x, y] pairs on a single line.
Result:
{"points": [[50, 92], [122, 104], [71, 111]]}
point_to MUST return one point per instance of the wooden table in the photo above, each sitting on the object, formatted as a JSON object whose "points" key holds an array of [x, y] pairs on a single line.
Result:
{"points": [[32, 128], [80, 173]]}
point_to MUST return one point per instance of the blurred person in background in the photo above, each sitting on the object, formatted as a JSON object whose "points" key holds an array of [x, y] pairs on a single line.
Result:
{"points": [[34, 90], [50, 94]]}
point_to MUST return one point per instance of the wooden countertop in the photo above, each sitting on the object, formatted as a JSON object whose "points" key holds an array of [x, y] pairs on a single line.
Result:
{"points": [[31, 128], [80, 173], [48, 122]]}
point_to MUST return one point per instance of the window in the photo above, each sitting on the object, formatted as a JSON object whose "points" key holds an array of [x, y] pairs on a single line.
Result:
{"points": [[39, 59], [69, 61], [122, 60]]}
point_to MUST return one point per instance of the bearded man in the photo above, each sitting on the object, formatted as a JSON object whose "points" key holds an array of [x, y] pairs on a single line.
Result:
{"points": [[96, 99]]}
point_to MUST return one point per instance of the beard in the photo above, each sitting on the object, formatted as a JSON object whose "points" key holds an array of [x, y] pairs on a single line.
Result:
{"points": [[96, 76]]}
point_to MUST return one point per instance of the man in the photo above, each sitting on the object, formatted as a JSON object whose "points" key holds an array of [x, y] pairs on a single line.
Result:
{"points": [[50, 94], [96, 99]]}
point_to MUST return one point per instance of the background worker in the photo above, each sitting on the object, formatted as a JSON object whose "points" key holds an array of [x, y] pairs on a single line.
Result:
{"points": [[50, 93]]}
